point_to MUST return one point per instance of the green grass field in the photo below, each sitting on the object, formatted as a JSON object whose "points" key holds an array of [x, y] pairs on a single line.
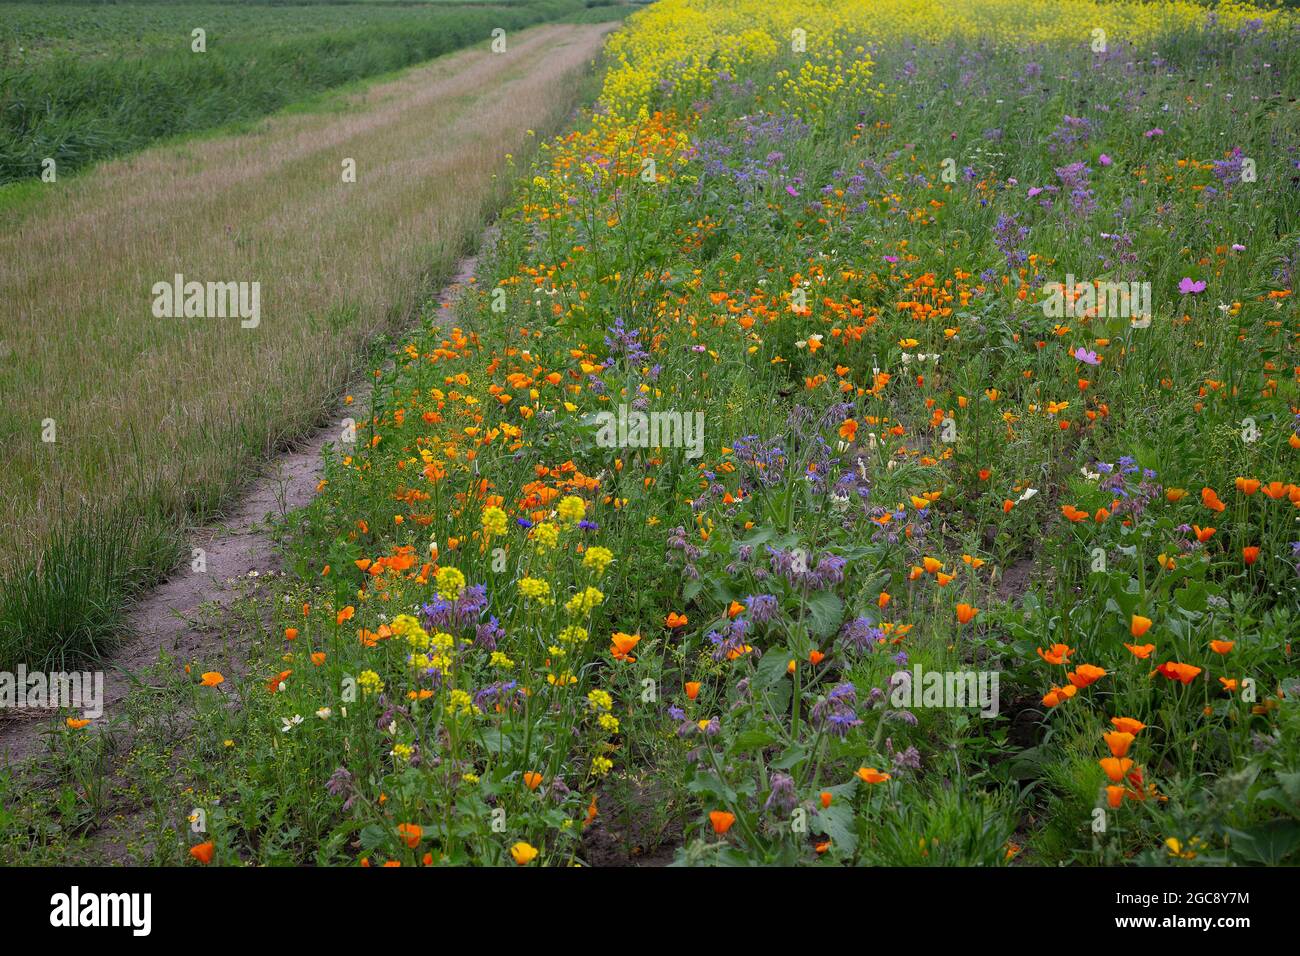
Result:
{"points": [[84, 82]]}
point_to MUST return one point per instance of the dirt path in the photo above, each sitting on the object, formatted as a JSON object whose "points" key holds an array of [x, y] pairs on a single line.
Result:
{"points": [[163, 619]]}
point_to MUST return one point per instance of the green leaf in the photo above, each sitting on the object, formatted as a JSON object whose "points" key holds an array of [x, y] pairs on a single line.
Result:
{"points": [[752, 740], [837, 822], [1269, 843], [373, 837], [827, 609], [771, 669]]}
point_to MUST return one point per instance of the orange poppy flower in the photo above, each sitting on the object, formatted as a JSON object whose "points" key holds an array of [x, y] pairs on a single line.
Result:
{"points": [[1059, 653], [872, 775], [212, 679], [1203, 534], [816, 657], [410, 834], [1250, 554], [523, 853], [203, 852], [1141, 651], [966, 613], [1114, 796], [1222, 647], [1248, 486], [1128, 725], [273, 685], [621, 645], [825, 799], [1276, 490], [77, 723], [290, 633], [692, 689], [675, 620], [1059, 695], [532, 779], [931, 565], [1210, 498], [1115, 767], [1139, 625], [1118, 741], [1085, 674], [721, 821], [1185, 673], [1229, 684]]}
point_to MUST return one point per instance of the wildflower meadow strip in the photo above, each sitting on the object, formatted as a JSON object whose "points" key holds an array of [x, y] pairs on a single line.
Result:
{"points": [[972, 559]]}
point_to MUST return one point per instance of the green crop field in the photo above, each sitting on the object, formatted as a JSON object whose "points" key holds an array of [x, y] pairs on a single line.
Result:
{"points": [[84, 82]]}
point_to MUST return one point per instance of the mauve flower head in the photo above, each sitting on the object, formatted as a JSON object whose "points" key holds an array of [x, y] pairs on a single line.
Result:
{"points": [[782, 799], [761, 607], [339, 783], [861, 634]]}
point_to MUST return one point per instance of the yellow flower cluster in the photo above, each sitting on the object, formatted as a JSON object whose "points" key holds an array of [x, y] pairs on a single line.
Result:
{"points": [[690, 43]]}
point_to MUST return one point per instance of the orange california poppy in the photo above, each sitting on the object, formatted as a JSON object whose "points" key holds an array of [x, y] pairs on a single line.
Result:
{"points": [[410, 834], [203, 852], [1128, 725], [1276, 490], [532, 779], [692, 689], [1115, 767], [1141, 651], [621, 645], [872, 775], [966, 613], [1085, 674], [721, 820], [675, 620], [1118, 741], [1058, 654], [1222, 647], [1139, 625], [1185, 673], [1250, 554]]}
